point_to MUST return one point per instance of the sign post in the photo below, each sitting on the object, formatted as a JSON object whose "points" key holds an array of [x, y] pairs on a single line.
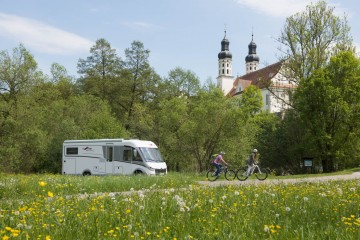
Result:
{"points": [[308, 164]]}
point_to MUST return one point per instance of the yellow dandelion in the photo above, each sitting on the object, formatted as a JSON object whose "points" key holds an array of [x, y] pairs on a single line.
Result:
{"points": [[5, 237], [128, 211], [15, 231], [50, 194], [47, 237], [42, 184]]}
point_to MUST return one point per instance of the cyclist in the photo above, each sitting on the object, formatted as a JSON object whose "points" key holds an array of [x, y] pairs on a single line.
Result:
{"points": [[217, 162], [253, 158]]}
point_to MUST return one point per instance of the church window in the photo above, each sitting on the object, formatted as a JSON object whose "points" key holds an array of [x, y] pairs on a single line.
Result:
{"points": [[223, 65], [267, 99], [223, 71], [227, 65], [250, 68], [227, 71]]}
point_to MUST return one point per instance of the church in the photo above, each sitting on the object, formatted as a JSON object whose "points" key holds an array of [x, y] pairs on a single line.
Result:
{"points": [[272, 93]]}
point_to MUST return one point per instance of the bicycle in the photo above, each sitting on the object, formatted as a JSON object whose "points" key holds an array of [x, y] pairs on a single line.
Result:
{"points": [[229, 174], [260, 173]]}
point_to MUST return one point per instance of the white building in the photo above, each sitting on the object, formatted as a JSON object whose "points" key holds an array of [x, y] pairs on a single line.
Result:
{"points": [[273, 84]]}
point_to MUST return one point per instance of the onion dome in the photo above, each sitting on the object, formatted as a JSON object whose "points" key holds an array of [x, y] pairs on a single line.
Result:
{"points": [[252, 56], [225, 53]]}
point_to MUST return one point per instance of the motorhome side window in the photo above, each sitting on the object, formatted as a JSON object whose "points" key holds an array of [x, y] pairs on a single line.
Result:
{"points": [[110, 154], [128, 154], [117, 153], [72, 151]]}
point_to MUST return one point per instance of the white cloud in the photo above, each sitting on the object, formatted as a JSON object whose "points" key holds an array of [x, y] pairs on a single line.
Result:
{"points": [[141, 26], [286, 8], [42, 37], [276, 8]]}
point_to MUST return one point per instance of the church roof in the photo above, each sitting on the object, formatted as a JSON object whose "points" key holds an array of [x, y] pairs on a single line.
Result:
{"points": [[258, 78]]}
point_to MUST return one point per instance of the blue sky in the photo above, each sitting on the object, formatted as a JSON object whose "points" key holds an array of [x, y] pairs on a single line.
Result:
{"points": [[179, 33]]}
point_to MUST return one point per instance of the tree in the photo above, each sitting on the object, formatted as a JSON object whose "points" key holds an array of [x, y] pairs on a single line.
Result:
{"points": [[100, 69], [182, 82], [251, 100], [17, 72], [58, 73], [310, 38], [172, 115], [242, 125], [283, 142], [193, 128], [140, 84], [329, 103]]}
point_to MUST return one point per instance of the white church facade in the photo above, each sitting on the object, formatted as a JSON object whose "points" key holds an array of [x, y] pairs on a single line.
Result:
{"points": [[274, 93]]}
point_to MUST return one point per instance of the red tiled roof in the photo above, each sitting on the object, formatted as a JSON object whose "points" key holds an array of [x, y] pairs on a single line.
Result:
{"points": [[257, 78]]}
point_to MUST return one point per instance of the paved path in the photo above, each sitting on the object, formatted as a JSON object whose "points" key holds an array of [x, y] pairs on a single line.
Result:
{"points": [[222, 182]]}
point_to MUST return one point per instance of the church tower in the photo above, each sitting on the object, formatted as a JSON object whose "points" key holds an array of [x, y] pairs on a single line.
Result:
{"points": [[225, 79], [252, 60]]}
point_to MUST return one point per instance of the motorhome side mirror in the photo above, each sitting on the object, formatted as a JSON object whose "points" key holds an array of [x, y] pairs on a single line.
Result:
{"points": [[135, 153]]}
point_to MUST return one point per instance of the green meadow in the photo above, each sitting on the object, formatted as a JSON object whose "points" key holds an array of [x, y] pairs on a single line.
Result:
{"points": [[174, 207]]}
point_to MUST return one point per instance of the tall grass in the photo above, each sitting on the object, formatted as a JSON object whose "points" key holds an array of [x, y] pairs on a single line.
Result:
{"points": [[174, 207]]}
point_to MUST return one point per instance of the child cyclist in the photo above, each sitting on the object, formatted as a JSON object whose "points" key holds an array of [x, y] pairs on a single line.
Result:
{"points": [[217, 162]]}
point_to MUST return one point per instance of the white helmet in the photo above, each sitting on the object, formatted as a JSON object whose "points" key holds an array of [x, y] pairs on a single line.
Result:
{"points": [[222, 153], [255, 150]]}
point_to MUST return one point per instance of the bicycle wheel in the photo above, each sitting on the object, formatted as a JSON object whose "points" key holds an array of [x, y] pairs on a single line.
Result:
{"points": [[211, 175], [261, 173], [230, 175], [241, 174]]}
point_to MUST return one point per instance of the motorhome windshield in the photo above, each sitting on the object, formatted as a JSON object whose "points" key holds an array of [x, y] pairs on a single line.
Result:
{"points": [[151, 154]]}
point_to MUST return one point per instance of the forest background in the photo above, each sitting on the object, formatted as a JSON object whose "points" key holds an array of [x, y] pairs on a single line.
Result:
{"points": [[189, 121]]}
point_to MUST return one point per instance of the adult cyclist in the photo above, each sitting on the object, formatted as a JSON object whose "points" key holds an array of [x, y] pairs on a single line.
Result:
{"points": [[253, 158], [218, 163]]}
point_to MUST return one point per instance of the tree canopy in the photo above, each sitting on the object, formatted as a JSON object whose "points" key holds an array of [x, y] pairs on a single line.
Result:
{"points": [[329, 103], [311, 37]]}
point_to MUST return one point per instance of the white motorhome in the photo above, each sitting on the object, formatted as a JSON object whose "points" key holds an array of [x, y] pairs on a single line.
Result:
{"points": [[112, 156]]}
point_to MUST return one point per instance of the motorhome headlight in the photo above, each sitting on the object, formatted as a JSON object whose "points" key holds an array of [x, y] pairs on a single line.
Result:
{"points": [[151, 169]]}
